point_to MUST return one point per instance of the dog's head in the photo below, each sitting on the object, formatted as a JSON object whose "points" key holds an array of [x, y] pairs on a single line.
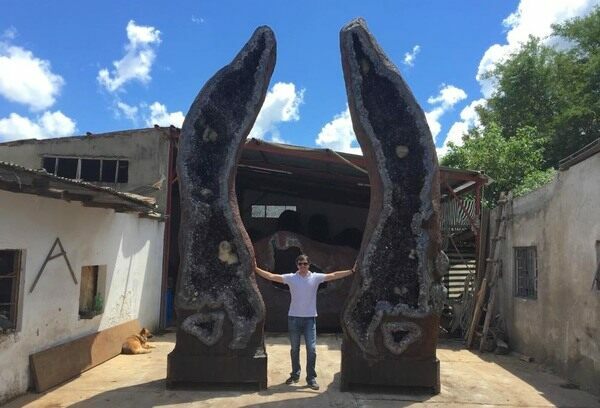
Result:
{"points": [[145, 334]]}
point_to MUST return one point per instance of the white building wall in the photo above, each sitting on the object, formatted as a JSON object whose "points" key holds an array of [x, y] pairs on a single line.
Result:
{"points": [[560, 328], [130, 247]]}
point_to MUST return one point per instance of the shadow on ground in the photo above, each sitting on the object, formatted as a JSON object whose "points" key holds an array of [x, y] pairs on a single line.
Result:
{"points": [[557, 390], [154, 393], [515, 376]]}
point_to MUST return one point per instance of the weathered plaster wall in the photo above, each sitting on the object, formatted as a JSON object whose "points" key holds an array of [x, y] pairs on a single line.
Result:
{"points": [[561, 327], [146, 149], [129, 246]]}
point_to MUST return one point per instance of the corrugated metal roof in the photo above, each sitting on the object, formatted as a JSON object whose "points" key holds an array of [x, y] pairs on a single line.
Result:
{"points": [[261, 156]]}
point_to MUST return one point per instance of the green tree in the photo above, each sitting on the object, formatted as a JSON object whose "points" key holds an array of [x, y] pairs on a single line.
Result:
{"points": [[515, 164], [555, 89], [577, 123], [525, 94]]}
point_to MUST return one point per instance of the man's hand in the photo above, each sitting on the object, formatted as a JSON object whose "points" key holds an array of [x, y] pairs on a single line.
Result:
{"points": [[268, 275]]}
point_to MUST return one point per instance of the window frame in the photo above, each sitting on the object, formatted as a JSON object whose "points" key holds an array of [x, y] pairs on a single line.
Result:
{"points": [[79, 160], [14, 304], [99, 275], [530, 290]]}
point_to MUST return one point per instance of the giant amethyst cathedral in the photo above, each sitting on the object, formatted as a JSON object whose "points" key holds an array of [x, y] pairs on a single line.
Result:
{"points": [[220, 311], [391, 317]]}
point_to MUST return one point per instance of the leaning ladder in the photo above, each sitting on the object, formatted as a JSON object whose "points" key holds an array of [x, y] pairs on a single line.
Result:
{"points": [[492, 270]]}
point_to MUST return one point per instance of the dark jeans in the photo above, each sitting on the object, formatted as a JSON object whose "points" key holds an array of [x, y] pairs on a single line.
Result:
{"points": [[306, 326]]}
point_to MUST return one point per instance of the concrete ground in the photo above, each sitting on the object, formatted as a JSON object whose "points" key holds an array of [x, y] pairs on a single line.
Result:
{"points": [[468, 380]]}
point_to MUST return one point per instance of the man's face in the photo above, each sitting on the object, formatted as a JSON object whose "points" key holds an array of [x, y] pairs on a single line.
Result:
{"points": [[303, 266]]}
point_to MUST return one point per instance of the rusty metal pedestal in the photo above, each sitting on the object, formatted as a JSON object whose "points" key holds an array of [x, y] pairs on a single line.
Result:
{"points": [[216, 371], [359, 372]]}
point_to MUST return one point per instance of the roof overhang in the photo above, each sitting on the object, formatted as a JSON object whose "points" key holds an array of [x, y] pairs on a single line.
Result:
{"points": [[19, 179]]}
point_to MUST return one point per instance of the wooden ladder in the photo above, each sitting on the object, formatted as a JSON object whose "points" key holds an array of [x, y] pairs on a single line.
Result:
{"points": [[492, 270]]}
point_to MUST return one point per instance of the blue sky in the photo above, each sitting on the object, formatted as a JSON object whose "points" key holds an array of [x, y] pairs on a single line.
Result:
{"points": [[69, 67]]}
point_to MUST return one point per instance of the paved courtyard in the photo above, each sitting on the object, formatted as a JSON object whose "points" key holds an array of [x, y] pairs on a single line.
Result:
{"points": [[468, 380]]}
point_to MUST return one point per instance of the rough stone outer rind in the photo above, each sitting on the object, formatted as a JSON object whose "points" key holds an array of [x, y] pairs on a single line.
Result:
{"points": [[212, 135], [424, 225]]}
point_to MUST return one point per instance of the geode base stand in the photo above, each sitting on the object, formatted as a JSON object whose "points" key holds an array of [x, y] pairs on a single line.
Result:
{"points": [[358, 373], [196, 365], [207, 370], [417, 368]]}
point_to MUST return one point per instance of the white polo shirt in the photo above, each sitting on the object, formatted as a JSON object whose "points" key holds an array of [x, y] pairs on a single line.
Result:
{"points": [[304, 293]]}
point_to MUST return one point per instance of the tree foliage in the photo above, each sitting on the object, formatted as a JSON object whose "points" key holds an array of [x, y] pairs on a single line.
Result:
{"points": [[513, 163], [545, 107]]}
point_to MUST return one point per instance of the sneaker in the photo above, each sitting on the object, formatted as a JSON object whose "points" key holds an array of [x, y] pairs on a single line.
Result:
{"points": [[291, 380], [312, 384]]}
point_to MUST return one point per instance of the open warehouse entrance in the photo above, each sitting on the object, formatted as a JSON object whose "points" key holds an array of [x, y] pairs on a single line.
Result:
{"points": [[297, 199]]}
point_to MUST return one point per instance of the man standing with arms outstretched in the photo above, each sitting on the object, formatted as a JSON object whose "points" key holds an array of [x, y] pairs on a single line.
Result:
{"points": [[302, 316]]}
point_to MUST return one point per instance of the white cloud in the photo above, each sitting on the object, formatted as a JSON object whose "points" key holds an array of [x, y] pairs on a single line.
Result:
{"points": [[141, 35], [149, 115], [55, 124], [409, 57], [197, 20], [160, 116], [469, 118], [448, 97], [26, 79], [338, 134], [433, 118], [130, 112], [48, 125], [282, 104], [138, 59], [532, 17]]}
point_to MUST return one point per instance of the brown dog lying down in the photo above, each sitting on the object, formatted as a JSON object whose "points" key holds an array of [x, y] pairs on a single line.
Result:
{"points": [[138, 343]]}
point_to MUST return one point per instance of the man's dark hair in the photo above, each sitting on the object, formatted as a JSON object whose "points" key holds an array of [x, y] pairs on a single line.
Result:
{"points": [[302, 258]]}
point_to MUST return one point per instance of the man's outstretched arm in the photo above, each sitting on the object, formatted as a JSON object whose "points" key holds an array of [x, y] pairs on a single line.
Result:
{"points": [[268, 275], [339, 274]]}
